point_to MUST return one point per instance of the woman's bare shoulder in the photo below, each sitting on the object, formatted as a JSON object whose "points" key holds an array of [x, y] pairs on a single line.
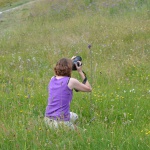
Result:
{"points": [[72, 82]]}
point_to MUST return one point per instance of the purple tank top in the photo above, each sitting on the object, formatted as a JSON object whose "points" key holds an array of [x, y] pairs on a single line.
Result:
{"points": [[59, 99]]}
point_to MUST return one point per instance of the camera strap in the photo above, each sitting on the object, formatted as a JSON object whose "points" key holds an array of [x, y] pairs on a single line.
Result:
{"points": [[84, 73], [85, 79]]}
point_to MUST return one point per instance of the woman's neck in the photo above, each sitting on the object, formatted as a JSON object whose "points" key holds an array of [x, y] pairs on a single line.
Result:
{"points": [[58, 77]]}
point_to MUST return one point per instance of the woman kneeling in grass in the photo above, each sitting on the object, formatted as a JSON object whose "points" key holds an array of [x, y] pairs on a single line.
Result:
{"points": [[60, 91]]}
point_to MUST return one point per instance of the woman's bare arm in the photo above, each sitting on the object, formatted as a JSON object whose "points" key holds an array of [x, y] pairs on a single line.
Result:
{"points": [[75, 84]]}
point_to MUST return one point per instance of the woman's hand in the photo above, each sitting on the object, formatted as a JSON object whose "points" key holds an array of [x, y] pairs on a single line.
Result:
{"points": [[79, 66], [73, 57]]}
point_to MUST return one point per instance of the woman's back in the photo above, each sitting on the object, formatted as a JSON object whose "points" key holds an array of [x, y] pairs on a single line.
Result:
{"points": [[59, 99]]}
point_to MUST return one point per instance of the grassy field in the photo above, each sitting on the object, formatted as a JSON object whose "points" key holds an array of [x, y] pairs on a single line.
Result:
{"points": [[8, 4], [116, 115]]}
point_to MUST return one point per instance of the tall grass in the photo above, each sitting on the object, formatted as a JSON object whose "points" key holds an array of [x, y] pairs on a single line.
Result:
{"points": [[8, 4], [116, 114]]}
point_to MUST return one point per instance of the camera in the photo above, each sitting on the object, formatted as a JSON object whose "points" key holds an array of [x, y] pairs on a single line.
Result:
{"points": [[75, 61]]}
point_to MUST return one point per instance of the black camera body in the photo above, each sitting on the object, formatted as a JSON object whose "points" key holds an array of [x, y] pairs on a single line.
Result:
{"points": [[75, 61]]}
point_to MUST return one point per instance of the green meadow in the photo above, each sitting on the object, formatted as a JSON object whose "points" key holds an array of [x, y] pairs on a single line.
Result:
{"points": [[116, 114], [8, 4]]}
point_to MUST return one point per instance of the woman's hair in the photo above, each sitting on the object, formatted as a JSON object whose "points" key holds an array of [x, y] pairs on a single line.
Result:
{"points": [[63, 67]]}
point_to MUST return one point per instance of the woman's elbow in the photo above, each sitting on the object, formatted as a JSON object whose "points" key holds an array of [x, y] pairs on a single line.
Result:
{"points": [[89, 89]]}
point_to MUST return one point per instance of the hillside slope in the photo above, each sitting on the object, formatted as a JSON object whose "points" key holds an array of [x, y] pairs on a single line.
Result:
{"points": [[32, 39]]}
